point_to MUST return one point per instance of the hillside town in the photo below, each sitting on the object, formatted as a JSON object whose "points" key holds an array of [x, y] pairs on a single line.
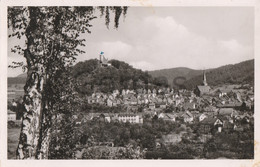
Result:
{"points": [[198, 114], [226, 104], [175, 82], [205, 112]]}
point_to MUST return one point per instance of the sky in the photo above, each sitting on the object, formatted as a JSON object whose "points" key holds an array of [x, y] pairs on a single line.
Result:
{"points": [[152, 38]]}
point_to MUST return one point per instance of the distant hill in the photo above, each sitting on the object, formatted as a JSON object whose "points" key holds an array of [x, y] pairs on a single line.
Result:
{"points": [[20, 79], [241, 73], [176, 76], [91, 77], [120, 75], [23, 75]]}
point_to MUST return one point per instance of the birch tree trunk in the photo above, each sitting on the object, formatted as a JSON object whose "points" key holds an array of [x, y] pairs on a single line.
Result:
{"points": [[52, 37], [31, 133], [32, 115]]}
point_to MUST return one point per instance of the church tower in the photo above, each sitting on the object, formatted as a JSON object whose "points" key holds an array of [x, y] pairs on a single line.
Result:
{"points": [[204, 79]]}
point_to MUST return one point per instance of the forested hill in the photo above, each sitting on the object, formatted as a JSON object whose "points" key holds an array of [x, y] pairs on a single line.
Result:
{"points": [[120, 75], [176, 76], [20, 79], [230, 74]]}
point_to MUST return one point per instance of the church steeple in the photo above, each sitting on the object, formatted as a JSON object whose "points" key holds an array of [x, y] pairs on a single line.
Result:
{"points": [[204, 79]]}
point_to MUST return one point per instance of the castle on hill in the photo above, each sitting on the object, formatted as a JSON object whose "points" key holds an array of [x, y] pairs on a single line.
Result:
{"points": [[103, 61]]}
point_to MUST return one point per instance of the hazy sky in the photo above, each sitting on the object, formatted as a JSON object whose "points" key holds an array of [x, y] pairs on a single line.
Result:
{"points": [[166, 37]]}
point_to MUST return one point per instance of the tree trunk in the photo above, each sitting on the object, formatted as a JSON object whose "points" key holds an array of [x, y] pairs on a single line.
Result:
{"points": [[32, 115], [44, 144], [45, 131], [34, 134]]}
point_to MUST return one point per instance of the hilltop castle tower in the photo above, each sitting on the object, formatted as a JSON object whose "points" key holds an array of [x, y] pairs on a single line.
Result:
{"points": [[103, 61]]}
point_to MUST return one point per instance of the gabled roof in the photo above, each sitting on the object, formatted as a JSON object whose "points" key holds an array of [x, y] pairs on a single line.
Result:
{"points": [[204, 89], [106, 114], [188, 105], [170, 116], [210, 108], [228, 124], [209, 120], [187, 114], [225, 111], [128, 115]]}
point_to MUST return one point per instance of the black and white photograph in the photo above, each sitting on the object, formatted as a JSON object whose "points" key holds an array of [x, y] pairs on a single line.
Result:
{"points": [[130, 83]]}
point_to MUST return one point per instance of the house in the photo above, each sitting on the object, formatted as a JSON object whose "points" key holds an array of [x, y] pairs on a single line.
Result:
{"points": [[163, 105], [171, 138], [202, 90], [92, 116], [11, 115], [119, 101], [187, 117], [222, 92], [11, 95], [132, 118], [238, 127], [189, 106], [202, 117], [133, 108], [230, 104], [249, 104], [169, 100], [111, 102], [209, 124], [106, 117], [167, 117], [152, 105], [227, 112], [210, 108], [133, 100], [250, 97], [195, 113], [246, 118], [228, 126]]}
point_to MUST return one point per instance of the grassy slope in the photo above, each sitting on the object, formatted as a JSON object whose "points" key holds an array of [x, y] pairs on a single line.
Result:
{"points": [[13, 138]]}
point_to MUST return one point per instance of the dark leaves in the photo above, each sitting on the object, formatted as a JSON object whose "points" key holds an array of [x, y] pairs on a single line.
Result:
{"points": [[16, 64], [107, 17], [118, 11]]}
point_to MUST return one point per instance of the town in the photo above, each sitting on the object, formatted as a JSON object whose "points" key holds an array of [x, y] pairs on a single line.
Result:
{"points": [[151, 83], [193, 117], [198, 117]]}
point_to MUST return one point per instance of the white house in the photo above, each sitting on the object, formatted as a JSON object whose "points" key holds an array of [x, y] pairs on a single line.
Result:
{"points": [[132, 118], [202, 117], [11, 115]]}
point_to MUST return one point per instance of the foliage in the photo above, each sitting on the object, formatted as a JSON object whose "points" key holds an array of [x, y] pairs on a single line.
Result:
{"points": [[98, 108], [91, 77], [239, 145], [91, 138], [87, 137], [63, 139], [188, 78], [230, 74], [18, 108], [52, 38], [176, 76]]}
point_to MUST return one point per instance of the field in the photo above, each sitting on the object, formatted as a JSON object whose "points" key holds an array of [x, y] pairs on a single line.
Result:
{"points": [[13, 137]]}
